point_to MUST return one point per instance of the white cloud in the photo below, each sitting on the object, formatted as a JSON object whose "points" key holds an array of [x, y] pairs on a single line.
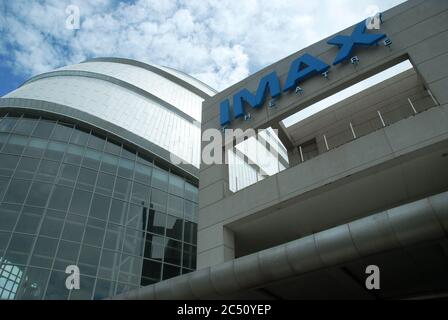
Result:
{"points": [[218, 41]]}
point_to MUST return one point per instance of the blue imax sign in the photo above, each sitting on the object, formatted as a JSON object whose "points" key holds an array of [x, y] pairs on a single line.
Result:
{"points": [[302, 68]]}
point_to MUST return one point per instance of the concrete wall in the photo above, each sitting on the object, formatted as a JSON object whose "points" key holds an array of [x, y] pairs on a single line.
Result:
{"points": [[419, 31]]}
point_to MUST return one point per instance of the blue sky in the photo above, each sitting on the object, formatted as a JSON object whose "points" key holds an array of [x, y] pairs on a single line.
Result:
{"points": [[218, 41]]}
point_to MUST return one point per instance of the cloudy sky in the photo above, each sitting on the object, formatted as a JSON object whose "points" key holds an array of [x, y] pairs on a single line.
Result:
{"points": [[218, 41]]}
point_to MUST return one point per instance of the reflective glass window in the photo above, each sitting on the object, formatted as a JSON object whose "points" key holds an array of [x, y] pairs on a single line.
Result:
{"points": [[126, 168], [96, 142], [38, 195], [158, 200], [122, 188], [100, 207], [52, 224], [17, 191], [109, 163], [25, 126], [114, 237], [86, 179], [36, 147], [160, 179], [29, 220], [74, 154], [80, 202], [43, 129], [15, 144], [48, 170], [92, 159], [55, 150], [94, 232], [68, 175], [19, 248], [67, 254], [176, 185], [43, 253], [143, 173], [62, 132], [105, 184], [118, 211], [26, 168], [74, 228], [60, 199], [156, 222], [7, 164], [170, 271], [174, 227], [89, 259], [79, 137], [9, 214]]}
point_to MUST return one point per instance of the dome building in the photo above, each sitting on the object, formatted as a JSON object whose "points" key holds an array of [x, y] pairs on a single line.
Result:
{"points": [[87, 178]]}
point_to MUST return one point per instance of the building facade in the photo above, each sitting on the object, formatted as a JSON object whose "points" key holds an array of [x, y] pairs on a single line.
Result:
{"points": [[89, 176], [366, 183]]}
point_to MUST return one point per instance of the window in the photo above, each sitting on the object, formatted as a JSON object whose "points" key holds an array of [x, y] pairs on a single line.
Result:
{"points": [[74, 154], [29, 220], [118, 211], [25, 126], [79, 137], [86, 179], [60, 198], [170, 271], [44, 251], [126, 168], [158, 200], [143, 173], [62, 132], [176, 206], [114, 237], [100, 207], [96, 142], [151, 272], [173, 252], [26, 168], [105, 184], [89, 260], [39, 193], [94, 232], [36, 147], [122, 188], [92, 159], [176, 185], [68, 174], [81, 202], [140, 193], [73, 228], [174, 227], [15, 144], [109, 163], [43, 129], [156, 222], [52, 224], [19, 248], [160, 179], [48, 170], [67, 254], [17, 191], [55, 150], [9, 213], [7, 164], [189, 257]]}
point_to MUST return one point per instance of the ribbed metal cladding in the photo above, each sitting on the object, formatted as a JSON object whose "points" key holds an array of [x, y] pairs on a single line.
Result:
{"points": [[409, 224]]}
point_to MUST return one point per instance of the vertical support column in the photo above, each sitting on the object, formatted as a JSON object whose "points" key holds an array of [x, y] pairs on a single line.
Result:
{"points": [[215, 242]]}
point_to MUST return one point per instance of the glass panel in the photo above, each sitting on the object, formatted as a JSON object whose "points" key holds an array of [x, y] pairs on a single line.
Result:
{"points": [[56, 286], [92, 159], [79, 137], [39, 193], [86, 179], [128, 153], [81, 202], [190, 211], [140, 193], [48, 170], [69, 174], [36, 147], [158, 200], [114, 237], [15, 144], [154, 247], [26, 168], [173, 252], [118, 211], [43, 129], [143, 173], [126, 168], [105, 184], [156, 222], [176, 206], [85, 291], [89, 260], [7, 124], [29, 220], [109, 163], [55, 150], [160, 179], [113, 147], [133, 242], [19, 248], [17, 191], [122, 188], [137, 216], [176, 185], [109, 264], [174, 227], [190, 232], [62, 132], [52, 224], [25, 126], [103, 289], [9, 213], [130, 269], [189, 257], [191, 192], [35, 283], [152, 271], [100, 207], [67, 254], [7, 164], [44, 251], [74, 154], [74, 228], [94, 232], [60, 198], [96, 142], [3, 185], [3, 139], [170, 271]]}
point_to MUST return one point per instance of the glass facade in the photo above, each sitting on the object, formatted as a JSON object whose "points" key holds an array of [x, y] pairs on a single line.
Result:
{"points": [[70, 195]]}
